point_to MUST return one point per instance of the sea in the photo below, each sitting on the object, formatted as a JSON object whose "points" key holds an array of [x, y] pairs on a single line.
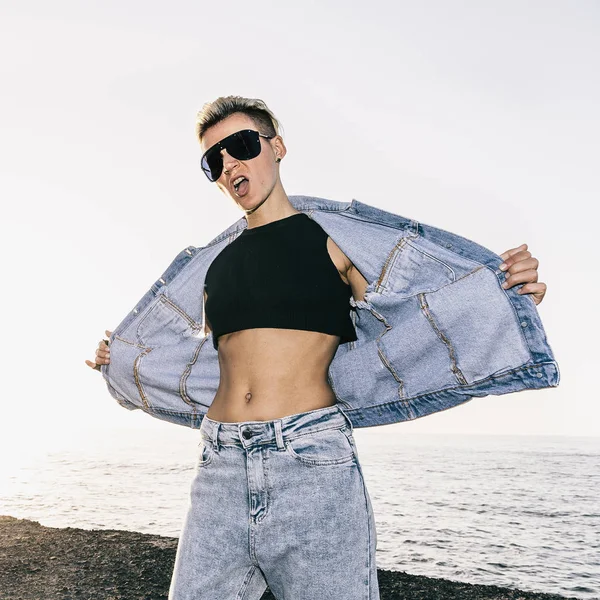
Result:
{"points": [[515, 511]]}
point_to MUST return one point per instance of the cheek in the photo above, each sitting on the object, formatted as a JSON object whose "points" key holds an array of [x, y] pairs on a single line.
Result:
{"points": [[266, 171]]}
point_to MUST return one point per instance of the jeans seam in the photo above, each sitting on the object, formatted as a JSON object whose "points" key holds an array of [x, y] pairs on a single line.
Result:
{"points": [[370, 533], [312, 431], [246, 583], [265, 466]]}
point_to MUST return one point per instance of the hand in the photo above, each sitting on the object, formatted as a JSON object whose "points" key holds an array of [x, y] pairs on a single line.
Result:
{"points": [[521, 267], [102, 354]]}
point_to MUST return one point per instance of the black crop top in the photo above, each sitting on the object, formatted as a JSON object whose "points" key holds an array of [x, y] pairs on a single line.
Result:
{"points": [[278, 275]]}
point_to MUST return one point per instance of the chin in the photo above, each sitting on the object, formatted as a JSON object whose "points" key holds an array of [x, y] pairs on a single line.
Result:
{"points": [[251, 205]]}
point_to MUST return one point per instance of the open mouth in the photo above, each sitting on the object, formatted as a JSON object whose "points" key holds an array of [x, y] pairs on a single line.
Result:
{"points": [[240, 185]]}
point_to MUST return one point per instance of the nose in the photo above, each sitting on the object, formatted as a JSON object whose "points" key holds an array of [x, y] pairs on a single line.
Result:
{"points": [[228, 161]]}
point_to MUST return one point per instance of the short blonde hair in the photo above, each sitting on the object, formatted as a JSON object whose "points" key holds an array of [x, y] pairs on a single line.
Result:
{"points": [[221, 108]]}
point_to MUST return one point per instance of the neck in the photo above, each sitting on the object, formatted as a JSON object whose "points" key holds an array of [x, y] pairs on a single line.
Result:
{"points": [[276, 206]]}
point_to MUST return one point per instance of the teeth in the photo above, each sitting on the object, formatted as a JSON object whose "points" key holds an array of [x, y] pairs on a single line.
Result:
{"points": [[238, 180]]}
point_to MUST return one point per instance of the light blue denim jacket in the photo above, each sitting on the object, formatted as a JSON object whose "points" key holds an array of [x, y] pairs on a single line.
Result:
{"points": [[434, 330]]}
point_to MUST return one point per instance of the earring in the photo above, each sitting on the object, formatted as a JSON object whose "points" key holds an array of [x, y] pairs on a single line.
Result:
{"points": [[278, 159]]}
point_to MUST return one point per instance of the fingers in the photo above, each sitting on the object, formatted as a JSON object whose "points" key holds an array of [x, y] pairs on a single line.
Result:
{"points": [[512, 251], [519, 267], [527, 263], [512, 279], [102, 353], [514, 259], [537, 291], [522, 268], [525, 272]]}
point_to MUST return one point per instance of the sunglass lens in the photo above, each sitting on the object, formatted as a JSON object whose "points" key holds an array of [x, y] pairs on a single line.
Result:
{"points": [[242, 145], [212, 165]]}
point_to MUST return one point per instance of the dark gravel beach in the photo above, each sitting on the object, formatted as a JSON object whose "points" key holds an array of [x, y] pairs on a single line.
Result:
{"points": [[48, 563]]}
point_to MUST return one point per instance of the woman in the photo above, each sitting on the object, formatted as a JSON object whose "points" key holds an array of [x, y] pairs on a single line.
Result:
{"points": [[279, 497]]}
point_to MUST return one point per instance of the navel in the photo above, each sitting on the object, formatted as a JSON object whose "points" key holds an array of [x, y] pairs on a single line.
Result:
{"points": [[248, 396]]}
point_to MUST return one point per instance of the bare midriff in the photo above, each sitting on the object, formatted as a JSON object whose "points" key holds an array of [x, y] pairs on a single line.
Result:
{"points": [[269, 373]]}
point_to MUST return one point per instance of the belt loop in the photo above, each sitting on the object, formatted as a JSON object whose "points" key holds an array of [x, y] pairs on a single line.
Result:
{"points": [[413, 228], [278, 434], [216, 437]]}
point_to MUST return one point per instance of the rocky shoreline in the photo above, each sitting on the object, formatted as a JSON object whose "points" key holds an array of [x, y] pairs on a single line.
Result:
{"points": [[48, 563]]}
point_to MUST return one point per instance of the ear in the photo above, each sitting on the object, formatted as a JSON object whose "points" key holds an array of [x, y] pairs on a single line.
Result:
{"points": [[278, 146]]}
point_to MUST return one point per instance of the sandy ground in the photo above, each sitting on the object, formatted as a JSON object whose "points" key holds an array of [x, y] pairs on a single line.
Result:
{"points": [[48, 563]]}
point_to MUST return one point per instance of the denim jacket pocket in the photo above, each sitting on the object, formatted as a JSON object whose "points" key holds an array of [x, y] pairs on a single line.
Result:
{"points": [[164, 322], [417, 265], [172, 342], [162, 373], [121, 373], [321, 448]]}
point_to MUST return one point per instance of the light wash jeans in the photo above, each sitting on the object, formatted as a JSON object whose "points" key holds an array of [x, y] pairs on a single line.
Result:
{"points": [[281, 503]]}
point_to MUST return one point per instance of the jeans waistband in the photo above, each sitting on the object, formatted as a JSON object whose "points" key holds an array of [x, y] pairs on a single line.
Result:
{"points": [[247, 434]]}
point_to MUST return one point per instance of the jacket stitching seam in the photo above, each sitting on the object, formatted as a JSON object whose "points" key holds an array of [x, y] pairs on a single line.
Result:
{"points": [[186, 373], [459, 387], [118, 337], [136, 375], [193, 324], [434, 258], [449, 347]]}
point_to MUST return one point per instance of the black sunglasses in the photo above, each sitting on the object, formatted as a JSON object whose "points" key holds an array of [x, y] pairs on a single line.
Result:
{"points": [[243, 145]]}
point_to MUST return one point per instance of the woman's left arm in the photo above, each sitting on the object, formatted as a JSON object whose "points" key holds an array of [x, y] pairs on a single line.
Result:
{"points": [[521, 267]]}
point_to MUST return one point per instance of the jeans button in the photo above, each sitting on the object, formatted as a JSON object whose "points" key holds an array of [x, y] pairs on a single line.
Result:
{"points": [[247, 434]]}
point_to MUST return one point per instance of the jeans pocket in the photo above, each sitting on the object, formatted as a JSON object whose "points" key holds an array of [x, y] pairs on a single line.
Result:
{"points": [[206, 453], [320, 448]]}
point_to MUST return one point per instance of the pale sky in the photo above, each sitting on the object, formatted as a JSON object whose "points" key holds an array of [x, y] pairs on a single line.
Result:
{"points": [[485, 114]]}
